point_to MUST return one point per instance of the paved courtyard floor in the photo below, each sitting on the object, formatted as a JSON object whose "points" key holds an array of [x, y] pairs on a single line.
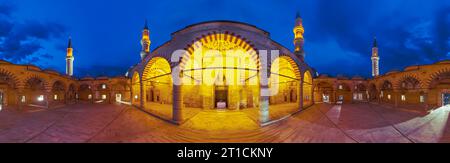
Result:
{"points": [[364, 122]]}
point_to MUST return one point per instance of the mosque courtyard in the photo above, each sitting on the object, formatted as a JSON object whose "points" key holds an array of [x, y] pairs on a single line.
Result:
{"points": [[320, 123]]}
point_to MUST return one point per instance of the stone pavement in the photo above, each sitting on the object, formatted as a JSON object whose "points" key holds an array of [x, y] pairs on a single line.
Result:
{"points": [[363, 122]]}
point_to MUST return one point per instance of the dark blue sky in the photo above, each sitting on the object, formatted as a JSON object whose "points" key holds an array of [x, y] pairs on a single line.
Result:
{"points": [[338, 33]]}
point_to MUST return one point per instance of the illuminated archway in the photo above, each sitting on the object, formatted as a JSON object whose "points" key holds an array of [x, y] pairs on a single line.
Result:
{"points": [[284, 84], [307, 89], [223, 70], [284, 81], [157, 87], [136, 89]]}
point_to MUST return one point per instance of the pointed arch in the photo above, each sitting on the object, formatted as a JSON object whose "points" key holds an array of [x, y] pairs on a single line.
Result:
{"points": [[58, 91], [436, 76], [221, 41], [409, 82], [8, 78], [136, 89], [35, 83], [157, 84], [307, 89], [284, 78]]}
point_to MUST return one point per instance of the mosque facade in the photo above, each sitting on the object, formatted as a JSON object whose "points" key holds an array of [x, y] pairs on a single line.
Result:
{"points": [[224, 66]]}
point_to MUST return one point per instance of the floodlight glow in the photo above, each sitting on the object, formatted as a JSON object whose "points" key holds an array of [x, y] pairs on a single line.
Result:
{"points": [[40, 98]]}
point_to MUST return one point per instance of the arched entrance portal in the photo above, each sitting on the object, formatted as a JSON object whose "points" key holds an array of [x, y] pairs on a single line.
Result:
{"points": [[157, 87], [307, 89], [136, 89], [439, 94], [223, 70], [58, 92], [284, 84]]}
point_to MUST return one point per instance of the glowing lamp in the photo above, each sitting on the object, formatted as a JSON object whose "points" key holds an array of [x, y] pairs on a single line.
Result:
{"points": [[40, 98]]}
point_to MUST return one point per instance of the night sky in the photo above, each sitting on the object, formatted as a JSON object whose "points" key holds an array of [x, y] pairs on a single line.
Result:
{"points": [[338, 33]]}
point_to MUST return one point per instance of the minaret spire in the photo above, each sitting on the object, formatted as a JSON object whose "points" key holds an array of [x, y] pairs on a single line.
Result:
{"points": [[69, 58], [375, 44], [375, 59], [298, 37], [70, 42], [145, 41], [146, 25]]}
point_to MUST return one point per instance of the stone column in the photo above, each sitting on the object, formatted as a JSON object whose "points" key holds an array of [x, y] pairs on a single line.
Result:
{"points": [[300, 94], [264, 104], [352, 94], [47, 98], [141, 93], [111, 96], [20, 93], [92, 96], [425, 99], [177, 114], [379, 98], [395, 93], [333, 100]]}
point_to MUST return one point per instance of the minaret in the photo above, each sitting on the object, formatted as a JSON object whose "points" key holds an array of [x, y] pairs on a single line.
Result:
{"points": [[69, 59], [298, 37], [375, 59], [145, 41]]}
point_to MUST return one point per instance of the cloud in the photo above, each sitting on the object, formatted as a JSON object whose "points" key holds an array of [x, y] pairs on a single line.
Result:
{"points": [[20, 41], [6, 9], [405, 37]]}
